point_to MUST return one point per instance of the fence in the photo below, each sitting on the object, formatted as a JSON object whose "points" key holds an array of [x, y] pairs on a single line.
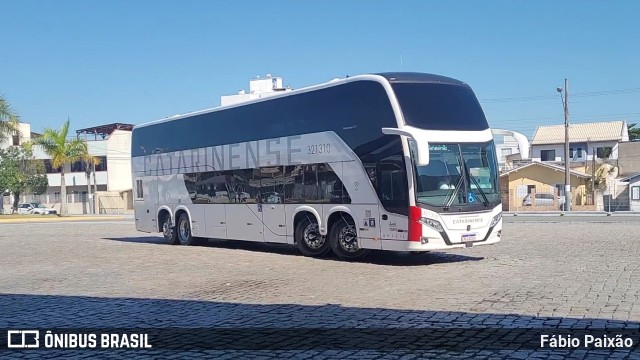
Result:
{"points": [[616, 197], [77, 201], [545, 198], [108, 202]]}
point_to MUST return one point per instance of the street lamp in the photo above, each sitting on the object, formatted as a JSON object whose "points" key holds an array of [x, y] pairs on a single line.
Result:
{"points": [[567, 174]]}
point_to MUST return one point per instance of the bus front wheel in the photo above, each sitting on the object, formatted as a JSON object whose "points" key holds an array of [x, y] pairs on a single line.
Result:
{"points": [[308, 238], [343, 239]]}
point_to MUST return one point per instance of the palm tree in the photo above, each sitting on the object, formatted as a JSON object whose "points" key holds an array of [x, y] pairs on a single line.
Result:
{"points": [[62, 152], [8, 120], [90, 163]]}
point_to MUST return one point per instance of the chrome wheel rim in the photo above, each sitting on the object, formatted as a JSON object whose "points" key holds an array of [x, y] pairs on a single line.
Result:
{"points": [[312, 237], [167, 229], [184, 230], [348, 239]]}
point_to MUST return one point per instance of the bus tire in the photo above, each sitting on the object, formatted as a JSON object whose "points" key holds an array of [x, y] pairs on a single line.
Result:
{"points": [[308, 238], [183, 230], [169, 231], [343, 239]]}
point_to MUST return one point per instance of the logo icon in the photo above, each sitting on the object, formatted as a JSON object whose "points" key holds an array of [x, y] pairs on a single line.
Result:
{"points": [[20, 339]]}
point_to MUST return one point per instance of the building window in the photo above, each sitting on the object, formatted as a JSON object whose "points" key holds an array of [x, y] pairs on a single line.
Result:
{"points": [[604, 152], [635, 193], [48, 167], [572, 153], [15, 140], [102, 165], [579, 153], [78, 166], [548, 155], [139, 192]]}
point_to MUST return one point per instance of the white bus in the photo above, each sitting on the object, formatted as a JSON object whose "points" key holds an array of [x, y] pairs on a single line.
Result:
{"points": [[392, 161]]}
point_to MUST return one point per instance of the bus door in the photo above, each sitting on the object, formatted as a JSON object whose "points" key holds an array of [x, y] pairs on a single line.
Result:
{"points": [[271, 204], [145, 204]]}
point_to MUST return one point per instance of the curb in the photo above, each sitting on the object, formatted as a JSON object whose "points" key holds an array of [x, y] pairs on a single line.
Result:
{"points": [[61, 219]]}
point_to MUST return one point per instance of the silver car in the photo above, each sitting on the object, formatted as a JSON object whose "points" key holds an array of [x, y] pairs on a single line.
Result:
{"points": [[542, 200], [35, 208]]}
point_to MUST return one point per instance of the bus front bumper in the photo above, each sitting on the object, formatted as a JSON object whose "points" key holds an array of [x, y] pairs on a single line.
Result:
{"points": [[439, 243]]}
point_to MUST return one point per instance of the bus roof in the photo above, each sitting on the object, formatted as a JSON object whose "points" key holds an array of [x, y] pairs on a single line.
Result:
{"points": [[391, 77], [406, 77]]}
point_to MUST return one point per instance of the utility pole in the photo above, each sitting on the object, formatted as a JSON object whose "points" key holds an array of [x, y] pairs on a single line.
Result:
{"points": [[567, 168]]}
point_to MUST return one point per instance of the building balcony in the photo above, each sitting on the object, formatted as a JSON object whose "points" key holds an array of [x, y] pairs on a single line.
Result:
{"points": [[77, 179]]}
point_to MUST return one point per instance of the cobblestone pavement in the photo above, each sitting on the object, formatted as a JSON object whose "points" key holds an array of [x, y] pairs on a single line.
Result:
{"points": [[574, 275]]}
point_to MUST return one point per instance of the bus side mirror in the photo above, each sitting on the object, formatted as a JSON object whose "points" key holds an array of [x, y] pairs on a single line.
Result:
{"points": [[420, 144]]}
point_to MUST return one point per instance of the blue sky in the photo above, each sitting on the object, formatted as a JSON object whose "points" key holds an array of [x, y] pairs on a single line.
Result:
{"points": [[98, 62]]}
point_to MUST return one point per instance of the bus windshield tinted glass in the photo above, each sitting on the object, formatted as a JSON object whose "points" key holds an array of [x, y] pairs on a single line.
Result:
{"points": [[458, 175], [440, 106]]}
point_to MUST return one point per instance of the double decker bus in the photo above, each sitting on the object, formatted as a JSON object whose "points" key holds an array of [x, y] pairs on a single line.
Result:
{"points": [[390, 161]]}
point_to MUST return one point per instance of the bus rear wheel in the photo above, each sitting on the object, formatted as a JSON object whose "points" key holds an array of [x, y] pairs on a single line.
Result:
{"points": [[183, 229], [169, 231], [309, 240], [343, 239]]}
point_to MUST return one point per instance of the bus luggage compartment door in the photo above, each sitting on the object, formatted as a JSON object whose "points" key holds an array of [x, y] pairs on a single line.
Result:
{"points": [[274, 219]]}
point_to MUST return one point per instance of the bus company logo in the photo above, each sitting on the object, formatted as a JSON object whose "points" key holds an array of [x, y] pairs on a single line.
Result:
{"points": [[23, 339], [467, 221]]}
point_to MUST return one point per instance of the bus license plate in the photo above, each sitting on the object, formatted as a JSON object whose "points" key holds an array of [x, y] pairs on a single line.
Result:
{"points": [[468, 237]]}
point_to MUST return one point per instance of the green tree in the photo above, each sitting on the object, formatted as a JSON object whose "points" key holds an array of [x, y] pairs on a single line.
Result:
{"points": [[20, 172], [8, 120], [62, 151], [634, 132]]}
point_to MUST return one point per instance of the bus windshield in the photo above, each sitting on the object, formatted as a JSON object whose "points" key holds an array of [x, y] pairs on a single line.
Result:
{"points": [[458, 174], [440, 106]]}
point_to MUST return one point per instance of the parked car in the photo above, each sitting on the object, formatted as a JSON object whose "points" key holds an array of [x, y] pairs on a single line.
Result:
{"points": [[542, 200], [35, 208]]}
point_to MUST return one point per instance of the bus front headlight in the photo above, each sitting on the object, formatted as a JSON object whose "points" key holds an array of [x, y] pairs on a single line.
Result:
{"points": [[434, 224], [496, 219]]}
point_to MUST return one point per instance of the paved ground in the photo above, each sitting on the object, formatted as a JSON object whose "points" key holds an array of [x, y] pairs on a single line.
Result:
{"points": [[547, 275]]}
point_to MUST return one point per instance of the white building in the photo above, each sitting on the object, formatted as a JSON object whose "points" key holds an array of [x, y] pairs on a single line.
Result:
{"points": [[505, 147], [111, 145], [22, 137], [258, 88], [585, 140]]}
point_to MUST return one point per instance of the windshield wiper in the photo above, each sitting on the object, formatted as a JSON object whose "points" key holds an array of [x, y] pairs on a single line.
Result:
{"points": [[475, 181], [452, 195], [449, 200]]}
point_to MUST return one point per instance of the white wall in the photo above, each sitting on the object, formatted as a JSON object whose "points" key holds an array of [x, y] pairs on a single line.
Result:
{"points": [[559, 148], [508, 142], [634, 205], [77, 179], [119, 161], [25, 135], [536, 151]]}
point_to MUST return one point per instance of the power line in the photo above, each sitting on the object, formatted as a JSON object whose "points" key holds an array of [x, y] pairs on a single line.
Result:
{"points": [[552, 97]]}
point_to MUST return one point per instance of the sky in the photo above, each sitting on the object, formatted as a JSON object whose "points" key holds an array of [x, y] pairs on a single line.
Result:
{"points": [[97, 62]]}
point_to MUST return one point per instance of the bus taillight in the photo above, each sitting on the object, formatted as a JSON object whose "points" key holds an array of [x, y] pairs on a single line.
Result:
{"points": [[415, 227]]}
